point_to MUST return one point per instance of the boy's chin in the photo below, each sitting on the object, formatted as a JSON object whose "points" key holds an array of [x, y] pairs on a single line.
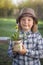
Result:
{"points": [[26, 29]]}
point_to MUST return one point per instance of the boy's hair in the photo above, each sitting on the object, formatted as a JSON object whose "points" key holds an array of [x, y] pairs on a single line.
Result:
{"points": [[31, 13]]}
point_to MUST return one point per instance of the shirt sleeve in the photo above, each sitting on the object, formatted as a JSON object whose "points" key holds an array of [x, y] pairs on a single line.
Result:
{"points": [[39, 52], [10, 52]]}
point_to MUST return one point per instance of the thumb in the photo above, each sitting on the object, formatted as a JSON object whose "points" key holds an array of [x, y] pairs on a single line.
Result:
{"points": [[23, 46]]}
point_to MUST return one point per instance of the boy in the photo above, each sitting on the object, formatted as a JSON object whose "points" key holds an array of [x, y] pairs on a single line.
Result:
{"points": [[32, 40]]}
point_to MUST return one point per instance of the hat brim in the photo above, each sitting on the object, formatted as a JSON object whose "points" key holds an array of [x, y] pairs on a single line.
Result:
{"points": [[26, 14]]}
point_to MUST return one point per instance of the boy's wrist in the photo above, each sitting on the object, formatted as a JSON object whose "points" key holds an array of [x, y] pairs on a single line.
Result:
{"points": [[27, 50]]}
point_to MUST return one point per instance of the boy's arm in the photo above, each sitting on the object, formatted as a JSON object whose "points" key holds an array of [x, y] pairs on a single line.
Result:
{"points": [[39, 52], [10, 51]]}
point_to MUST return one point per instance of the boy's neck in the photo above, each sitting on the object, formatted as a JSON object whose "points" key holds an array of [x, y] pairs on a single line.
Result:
{"points": [[25, 30]]}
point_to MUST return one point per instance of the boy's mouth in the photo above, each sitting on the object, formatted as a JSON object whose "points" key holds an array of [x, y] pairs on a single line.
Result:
{"points": [[25, 25]]}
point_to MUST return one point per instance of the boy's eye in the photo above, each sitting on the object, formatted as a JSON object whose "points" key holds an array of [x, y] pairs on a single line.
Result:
{"points": [[23, 19]]}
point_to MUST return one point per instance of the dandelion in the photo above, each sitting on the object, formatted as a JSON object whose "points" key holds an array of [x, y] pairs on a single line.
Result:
{"points": [[16, 27]]}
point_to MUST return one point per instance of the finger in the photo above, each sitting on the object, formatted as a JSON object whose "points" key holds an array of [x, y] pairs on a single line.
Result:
{"points": [[23, 46]]}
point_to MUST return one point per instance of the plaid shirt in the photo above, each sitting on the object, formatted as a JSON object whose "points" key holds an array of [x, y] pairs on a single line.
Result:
{"points": [[34, 43]]}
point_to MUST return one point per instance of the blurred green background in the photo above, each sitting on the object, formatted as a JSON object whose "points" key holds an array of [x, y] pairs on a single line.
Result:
{"points": [[8, 13]]}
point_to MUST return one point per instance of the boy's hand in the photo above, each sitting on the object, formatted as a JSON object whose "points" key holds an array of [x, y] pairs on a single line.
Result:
{"points": [[23, 51]]}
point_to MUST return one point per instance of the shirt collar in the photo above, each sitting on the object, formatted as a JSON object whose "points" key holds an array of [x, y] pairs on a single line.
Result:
{"points": [[26, 32]]}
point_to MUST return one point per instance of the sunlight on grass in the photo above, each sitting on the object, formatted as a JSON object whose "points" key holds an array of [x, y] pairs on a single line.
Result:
{"points": [[7, 20], [40, 22]]}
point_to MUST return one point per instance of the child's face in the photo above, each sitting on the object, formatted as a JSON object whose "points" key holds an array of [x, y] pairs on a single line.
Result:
{"points": [[26, 23]]}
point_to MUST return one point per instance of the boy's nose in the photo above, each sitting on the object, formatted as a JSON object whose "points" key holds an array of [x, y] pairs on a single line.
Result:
{"points": [[26, 21]]}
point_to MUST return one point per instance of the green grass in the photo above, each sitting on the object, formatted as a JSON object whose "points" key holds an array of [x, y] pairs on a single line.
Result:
{"points": [[4, 59], [7, 26], [40, 26], [7, 29]]}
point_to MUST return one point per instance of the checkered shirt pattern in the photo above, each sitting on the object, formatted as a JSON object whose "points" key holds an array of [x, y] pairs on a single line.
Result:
{"points": [[34, 44]]}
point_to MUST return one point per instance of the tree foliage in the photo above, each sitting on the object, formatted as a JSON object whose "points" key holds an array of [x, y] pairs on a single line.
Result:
{"points": [[9, 9]]}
